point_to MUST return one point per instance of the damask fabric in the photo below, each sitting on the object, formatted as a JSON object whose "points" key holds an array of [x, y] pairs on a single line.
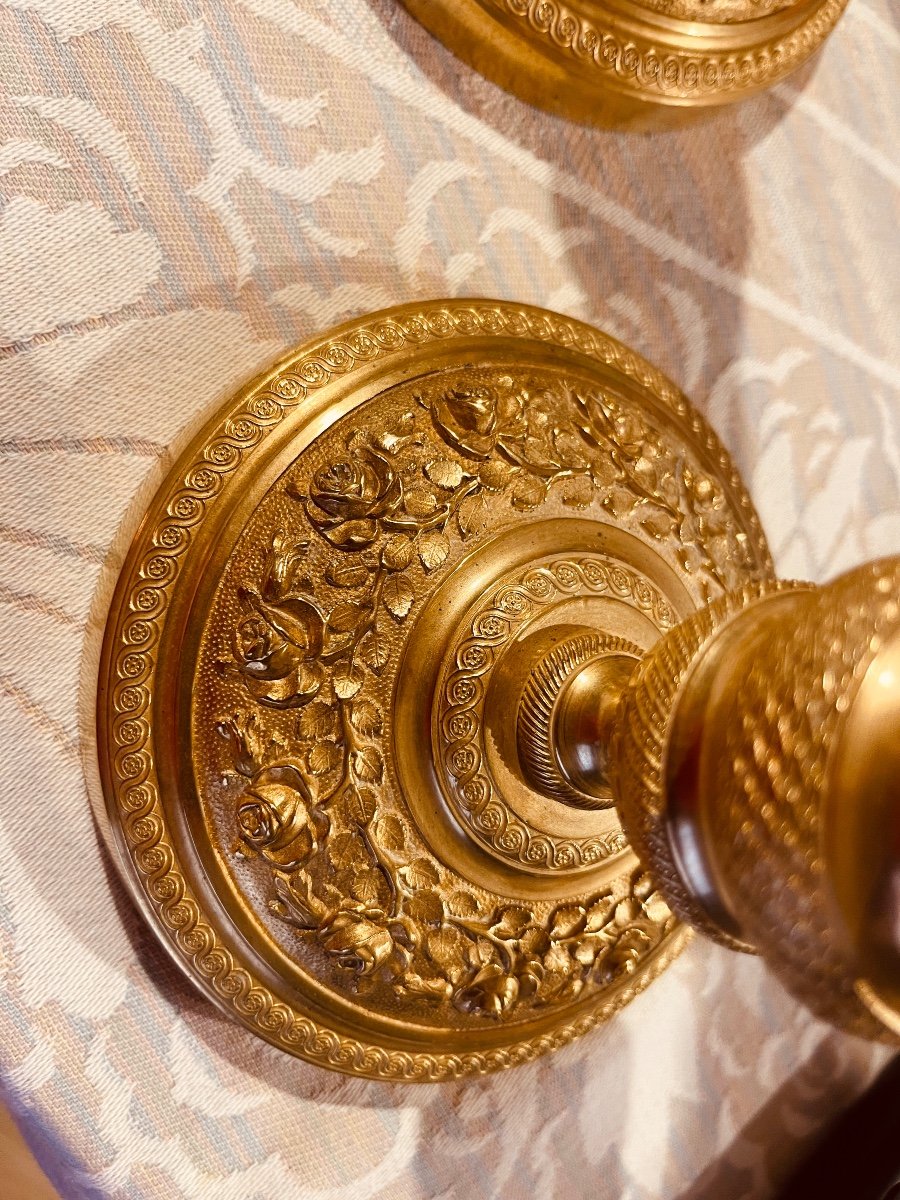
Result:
{"points": [[188, 188]]}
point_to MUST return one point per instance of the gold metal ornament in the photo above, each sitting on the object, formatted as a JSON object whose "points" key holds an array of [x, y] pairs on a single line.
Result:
{"points": [[756, 757], [631, 63], [402, 638]]}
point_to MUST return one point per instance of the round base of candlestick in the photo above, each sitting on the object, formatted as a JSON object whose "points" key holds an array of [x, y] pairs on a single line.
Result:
{"points": [[313, 775], [631, 64]]}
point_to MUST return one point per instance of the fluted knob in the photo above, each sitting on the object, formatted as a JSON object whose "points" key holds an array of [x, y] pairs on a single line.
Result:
{"points": [[756, 765]]}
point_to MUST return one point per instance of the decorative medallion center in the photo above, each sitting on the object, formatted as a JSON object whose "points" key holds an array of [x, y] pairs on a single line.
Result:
{"points": [[460, 724]]}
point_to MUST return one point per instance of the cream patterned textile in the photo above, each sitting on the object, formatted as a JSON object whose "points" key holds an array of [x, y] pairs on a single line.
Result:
{"points": [[188, 187]]}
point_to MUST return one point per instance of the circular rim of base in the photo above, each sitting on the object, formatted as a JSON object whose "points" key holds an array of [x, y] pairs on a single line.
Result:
{"points": [[635, 67], [144, 846]]}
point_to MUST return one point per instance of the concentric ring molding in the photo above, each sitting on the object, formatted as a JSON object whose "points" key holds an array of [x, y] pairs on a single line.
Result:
{"points": [[149, 848], [624, 63]]}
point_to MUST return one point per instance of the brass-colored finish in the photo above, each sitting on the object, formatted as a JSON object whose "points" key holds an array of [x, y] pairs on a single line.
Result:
{"points": [[443, 642], [756, 765], [566, 713], [631, 63], [315, 782]]}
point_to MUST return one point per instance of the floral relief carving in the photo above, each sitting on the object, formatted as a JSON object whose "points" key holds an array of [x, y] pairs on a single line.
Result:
{"points": [[355, 888], [349, 499], [590, 444], [314, 804]]}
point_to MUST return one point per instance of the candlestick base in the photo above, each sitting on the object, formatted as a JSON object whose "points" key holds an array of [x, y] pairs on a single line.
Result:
{"points": [[314, 778]]}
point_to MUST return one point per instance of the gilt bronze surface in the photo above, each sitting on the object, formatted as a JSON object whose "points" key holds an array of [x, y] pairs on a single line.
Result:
{"points": [[631, 63], [756, 763], [448, 671], [315, 780]]}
